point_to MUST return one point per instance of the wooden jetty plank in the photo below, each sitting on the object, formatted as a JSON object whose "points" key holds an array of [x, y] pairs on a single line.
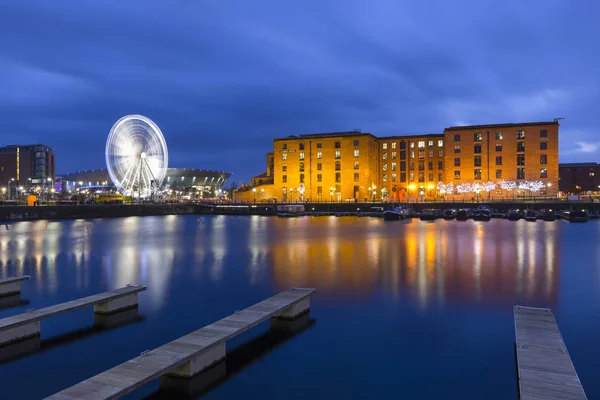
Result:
{"points": [[132, 374], [36, 315], [14, 279], [544, 366], [12, 285]]}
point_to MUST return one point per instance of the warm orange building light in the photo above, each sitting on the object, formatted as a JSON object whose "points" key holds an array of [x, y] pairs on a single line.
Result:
{"points": [[353, 165]]}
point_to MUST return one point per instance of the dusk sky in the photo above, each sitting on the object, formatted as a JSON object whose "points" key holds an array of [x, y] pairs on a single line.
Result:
{"points": [[223, 78]]}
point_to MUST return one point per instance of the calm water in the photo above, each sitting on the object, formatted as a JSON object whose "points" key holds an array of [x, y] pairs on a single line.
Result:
{"points": [[415, 310]]}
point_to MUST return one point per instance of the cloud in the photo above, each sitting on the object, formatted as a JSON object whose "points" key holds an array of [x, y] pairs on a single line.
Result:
{"points": [[223, 78], [587, 147]]}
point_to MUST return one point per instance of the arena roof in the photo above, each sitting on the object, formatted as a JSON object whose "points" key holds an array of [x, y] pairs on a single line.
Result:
{"points": [[175, 176]]}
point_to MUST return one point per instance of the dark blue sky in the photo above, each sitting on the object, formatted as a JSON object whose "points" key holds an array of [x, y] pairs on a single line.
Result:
{"points": [[222, 78]]}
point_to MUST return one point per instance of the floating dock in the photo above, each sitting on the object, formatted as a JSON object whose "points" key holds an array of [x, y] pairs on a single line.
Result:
{"points": [[190, 354], [545, 369], [11, 286], [27, 325]]}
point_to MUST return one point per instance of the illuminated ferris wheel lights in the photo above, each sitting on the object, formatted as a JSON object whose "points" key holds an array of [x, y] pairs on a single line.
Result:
{"points": [[136, 156]]}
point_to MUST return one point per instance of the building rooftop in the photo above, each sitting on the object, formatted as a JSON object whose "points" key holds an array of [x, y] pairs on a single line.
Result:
{"points": [[423, 135], [506, 125], [579, 164], [12, 148], [326, 135]]}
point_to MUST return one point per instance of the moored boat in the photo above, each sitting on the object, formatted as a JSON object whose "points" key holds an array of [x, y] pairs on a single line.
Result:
{"points": [[428, 214], [290, 210], [531, 216], [462, 215], [482, 214], [450, 213], [513, 215], [395, 214], [575, 216], [548, 215]]}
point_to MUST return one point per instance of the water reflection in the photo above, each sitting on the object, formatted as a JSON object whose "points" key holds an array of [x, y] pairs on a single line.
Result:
{"points": [[495, 262], [432, 263]]}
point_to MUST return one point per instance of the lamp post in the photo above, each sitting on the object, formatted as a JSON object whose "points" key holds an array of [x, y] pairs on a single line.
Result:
{"points": [[9, 191], [254, 190], [262, 194], [331, 195], [549, 186], [374, 192]]}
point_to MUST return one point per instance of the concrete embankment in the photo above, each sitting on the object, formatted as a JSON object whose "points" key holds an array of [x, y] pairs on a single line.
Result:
{"points": [[24, 213]]}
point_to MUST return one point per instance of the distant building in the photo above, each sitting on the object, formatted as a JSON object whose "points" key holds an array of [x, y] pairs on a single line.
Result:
{"points": [[579, 177], [203, 181], [358, 166], [27, 165]]}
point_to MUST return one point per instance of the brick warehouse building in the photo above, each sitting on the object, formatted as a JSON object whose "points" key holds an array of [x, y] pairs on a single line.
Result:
{"points": [[511, 152], [353, 166]]}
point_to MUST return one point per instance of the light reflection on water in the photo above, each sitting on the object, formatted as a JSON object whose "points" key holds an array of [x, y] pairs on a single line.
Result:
{"points": [[451, 282], [443, 261]]}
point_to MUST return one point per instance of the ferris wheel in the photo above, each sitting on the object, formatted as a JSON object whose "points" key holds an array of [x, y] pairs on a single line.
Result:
{"points": [[136, 156]]}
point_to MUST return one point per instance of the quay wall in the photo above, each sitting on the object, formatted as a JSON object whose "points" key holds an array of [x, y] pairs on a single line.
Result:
{"points": [[24, 213]]}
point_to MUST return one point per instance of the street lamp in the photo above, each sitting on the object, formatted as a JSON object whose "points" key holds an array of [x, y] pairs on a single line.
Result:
{"points": [[430, 187], [374, 192], [9, 191], [549, 186], [262, 194], [331, 194], [254, 190]]}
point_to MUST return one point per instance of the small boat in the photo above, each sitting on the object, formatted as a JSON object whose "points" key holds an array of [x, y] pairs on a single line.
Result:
{"points": [[482, 214], [290, 210], [428, 214], [462, 215], [531, 216], [450, 213], [395, 214], [548, 215], [513, 215], [575, 216]]}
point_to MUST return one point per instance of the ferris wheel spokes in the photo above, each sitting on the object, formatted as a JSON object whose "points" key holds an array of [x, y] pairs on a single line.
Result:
{"points": [[136, 156]]}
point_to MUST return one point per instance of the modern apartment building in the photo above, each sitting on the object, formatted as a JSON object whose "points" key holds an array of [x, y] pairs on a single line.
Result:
{"points": [[26, 164]]}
